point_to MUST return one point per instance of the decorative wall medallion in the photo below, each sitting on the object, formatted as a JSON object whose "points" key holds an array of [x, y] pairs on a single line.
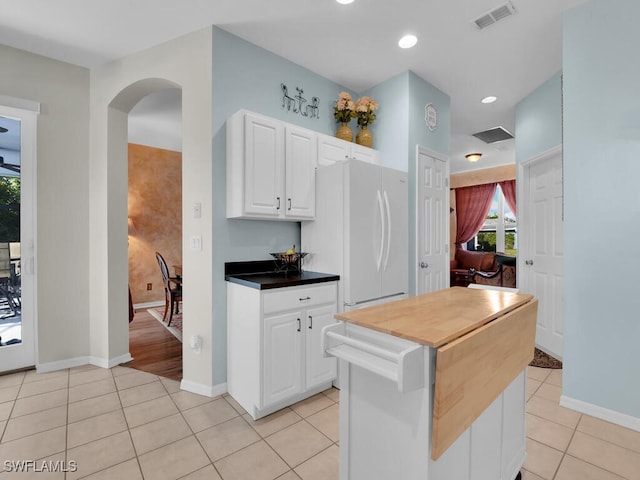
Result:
{"points": [[298, 104], [431, 117]]}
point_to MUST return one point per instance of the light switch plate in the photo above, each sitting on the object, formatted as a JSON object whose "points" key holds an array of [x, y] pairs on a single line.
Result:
{"points": [[195, 242], [197, 210]]}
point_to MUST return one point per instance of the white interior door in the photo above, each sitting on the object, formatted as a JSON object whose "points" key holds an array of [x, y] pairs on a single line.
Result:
{"points": [[432, 222], [541, 256], [17, 302]]}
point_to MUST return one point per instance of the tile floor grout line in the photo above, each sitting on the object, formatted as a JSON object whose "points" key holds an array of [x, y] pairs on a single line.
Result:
{"points": [[610, 443], [549, 420], [135, 451], [564, 453], [264, 439], [4, 429], [317, 429], [596, 466], [290, 470], [314, 455], [193, 433]]}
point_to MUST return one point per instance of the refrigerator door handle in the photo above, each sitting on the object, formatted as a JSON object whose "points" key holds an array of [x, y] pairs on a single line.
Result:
{"points": [[388, 244], [382, 229]]}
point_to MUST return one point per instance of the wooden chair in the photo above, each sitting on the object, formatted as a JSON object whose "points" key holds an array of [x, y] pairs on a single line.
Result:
{"points": [[172, 294]]}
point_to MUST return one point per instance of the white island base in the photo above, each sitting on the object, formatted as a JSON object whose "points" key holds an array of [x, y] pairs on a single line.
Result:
{"points": [[433, 386], [385, 434]]}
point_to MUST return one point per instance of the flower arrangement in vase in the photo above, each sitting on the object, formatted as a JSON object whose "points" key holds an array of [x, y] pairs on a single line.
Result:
{"points": [[364, 112], [343, 112]]}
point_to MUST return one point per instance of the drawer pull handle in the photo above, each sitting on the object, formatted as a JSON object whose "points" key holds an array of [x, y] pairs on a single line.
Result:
{"points": [[299, 324], [303, 299], [310, 322]]}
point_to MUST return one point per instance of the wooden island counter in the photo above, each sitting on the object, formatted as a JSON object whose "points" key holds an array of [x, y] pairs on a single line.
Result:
{"points": [[433, 386]]}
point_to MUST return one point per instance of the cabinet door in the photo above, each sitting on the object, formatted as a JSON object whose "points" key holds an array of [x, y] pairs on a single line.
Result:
{"points": [[319, 369], [264, 166], [282, 357], [514, 434], [365, 154], [486, 443], [301, 154], [332, 150]]}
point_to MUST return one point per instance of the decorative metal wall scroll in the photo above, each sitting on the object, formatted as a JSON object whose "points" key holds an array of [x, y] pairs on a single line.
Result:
{"points": [[298, 104]]}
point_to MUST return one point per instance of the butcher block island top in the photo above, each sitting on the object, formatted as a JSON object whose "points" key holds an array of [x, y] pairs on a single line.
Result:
{"points": [[437, 318], [483, 339]]}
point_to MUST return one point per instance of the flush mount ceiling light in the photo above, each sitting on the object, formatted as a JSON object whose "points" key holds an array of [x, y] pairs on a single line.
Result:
{"points": [[489, 99], [407, 41], [344, 2], [473, 157]]}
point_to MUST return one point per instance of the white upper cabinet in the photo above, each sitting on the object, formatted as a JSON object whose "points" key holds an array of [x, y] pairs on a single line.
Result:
{"points": [[270, 169], [264, 169], [301, 157], [332, 150]]}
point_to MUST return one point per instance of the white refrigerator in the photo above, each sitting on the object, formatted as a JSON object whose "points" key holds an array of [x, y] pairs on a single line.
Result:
{"points": [[360, 232]]}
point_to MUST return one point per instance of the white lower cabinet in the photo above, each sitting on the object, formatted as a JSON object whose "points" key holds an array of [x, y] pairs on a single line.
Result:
{"points": [[282, 354], [274, 352]]}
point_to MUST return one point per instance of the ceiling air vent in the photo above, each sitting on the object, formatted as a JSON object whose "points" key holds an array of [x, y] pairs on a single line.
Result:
{"points": [[493, 135], [498, 13]]}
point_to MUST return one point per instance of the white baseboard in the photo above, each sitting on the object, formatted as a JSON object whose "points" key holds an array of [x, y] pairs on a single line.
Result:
{"points": [[144, 306], [602, 413], [85, 360], [62, 364], [112, 362], [201, 389]]}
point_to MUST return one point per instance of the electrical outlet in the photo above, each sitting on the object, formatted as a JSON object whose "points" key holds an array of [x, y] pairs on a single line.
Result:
{"points": [[149, 286]]}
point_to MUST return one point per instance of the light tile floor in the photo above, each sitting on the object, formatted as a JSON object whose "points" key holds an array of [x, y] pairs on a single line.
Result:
{"points": [[126, 424]]}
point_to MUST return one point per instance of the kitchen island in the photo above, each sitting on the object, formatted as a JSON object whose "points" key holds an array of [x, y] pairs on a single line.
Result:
{"points": [[433, 386]]}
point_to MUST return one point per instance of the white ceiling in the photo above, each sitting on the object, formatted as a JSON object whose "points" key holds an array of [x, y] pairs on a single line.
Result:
{"points": [[354, 45]]}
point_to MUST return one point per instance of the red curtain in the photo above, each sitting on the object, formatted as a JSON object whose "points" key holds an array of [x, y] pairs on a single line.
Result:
{"points": [[509, 189], [472, 207]]}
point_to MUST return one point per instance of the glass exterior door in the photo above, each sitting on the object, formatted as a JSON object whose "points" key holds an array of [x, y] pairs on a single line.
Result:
{"points": [[17, 182]]}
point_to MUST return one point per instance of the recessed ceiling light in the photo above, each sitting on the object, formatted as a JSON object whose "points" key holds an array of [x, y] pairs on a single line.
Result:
{"points": [[489, 99], [407, 41], [344, 2]]}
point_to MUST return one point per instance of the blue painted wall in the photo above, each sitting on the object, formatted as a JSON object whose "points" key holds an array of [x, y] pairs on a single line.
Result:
{"points": [[602, 206], [401, 126], [539, 120], [246, 76], [392, 122], [422, 93], [249, 77]]}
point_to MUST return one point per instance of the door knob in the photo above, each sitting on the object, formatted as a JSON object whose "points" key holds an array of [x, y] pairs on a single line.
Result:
{"points": [[424, 265], [528, 262]]}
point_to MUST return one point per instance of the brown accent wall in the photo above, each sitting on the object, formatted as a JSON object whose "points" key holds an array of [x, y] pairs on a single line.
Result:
{"points": [[155, 206]]}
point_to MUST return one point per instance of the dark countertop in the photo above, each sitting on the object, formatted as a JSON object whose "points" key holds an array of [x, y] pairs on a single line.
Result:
{"points": [[262, 275]]}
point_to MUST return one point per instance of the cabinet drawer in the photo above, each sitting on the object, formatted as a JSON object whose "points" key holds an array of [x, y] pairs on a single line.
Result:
{"points": [[298, 297]]}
